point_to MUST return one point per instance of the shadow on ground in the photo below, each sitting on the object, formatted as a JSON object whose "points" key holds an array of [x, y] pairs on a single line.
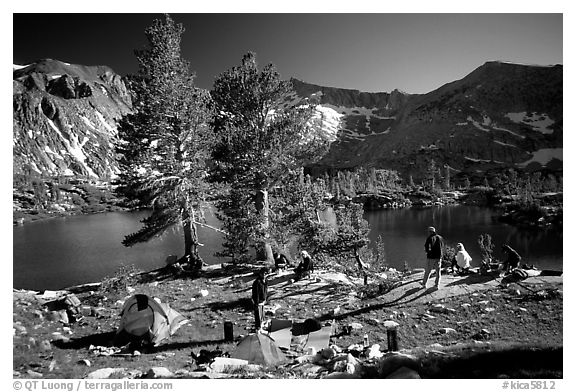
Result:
{"points": [[516, 362], [472, 279]]}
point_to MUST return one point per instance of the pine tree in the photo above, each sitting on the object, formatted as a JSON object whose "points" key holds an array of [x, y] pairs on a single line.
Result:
{"points": [[260, 137], [431, 174], [164, 144]]}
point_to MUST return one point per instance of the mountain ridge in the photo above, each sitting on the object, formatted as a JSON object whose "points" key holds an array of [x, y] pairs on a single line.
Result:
{"points": [[499, 116]]}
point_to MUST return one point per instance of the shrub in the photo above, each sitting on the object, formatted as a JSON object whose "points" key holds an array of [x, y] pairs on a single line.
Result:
{"points": [[116, 286], [486, 247], [448, 254]]}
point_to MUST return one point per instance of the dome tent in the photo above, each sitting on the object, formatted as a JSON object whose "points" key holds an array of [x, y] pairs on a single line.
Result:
{"points": [[145, 318], [260, 349]]}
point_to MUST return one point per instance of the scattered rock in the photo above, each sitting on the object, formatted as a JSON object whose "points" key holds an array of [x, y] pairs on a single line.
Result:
{"points": [[105, 372], [45, 346], [159, 372], [446, 330], [33, 374], [311, 369], [438, 308], [336, 348], [356, 325], [374, 352], [328, 353], [203, 293], [20, 328], [489, 309]]}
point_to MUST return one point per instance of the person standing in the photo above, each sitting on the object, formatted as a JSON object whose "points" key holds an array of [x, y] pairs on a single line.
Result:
{"points": [[433, 247], [259, 295]]}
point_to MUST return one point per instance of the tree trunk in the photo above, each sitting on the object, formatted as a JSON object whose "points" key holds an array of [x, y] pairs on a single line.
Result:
{"points": [[264, 251], [190, 240], [360, 266]]}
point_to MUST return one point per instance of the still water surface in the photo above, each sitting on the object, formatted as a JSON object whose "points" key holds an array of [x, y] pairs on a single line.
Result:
{"points": [[61, 252]]}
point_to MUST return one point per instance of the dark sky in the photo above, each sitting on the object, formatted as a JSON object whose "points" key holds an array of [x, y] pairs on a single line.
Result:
{"points": [[415, 53]]}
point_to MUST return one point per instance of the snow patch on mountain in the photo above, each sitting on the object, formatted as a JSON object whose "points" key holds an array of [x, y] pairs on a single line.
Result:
{"points": [[543, 156], [505, 144], [477, 124], [326, 122], [88, 122], [111, 130], [17, 67], [74, 148], [538, 122], [482, 160], [509, 131], [358, 111], [48, 150]]}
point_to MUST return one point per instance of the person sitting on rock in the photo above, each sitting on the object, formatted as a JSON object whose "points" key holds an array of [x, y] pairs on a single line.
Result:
{"points": [[305, 267], [461, 260], [513, 258]]}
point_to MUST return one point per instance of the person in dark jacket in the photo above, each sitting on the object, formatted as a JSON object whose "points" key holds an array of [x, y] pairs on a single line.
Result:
{"points": [[306, 266], [259, 295], [433, 247], [512, 260], [280, 261]]}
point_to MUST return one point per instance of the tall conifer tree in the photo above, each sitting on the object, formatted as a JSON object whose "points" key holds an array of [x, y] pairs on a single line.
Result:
{"points": [[260, 137], [164, 144]]}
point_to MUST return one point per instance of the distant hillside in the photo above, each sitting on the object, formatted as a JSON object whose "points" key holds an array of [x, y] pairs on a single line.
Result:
{"points": [[64, 118], [501, 115]]}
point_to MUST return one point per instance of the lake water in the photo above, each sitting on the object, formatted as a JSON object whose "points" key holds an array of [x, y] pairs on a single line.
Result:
{"points": [[61, 252]]}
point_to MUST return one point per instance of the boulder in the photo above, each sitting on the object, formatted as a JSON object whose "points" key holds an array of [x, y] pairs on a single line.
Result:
{"points": [[159, 372], [394, 361], [33, 374], [222, 365], [404, 373], [105, 372], [45, 346], [338, 375], [171, 260], [328, 353]]}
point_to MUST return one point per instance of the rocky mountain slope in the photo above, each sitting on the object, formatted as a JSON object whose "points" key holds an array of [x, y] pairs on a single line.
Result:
{"points": [[499, 116], [64, 118]]}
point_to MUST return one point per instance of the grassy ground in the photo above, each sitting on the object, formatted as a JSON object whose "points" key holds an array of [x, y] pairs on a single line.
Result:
{"points": [[522, 325]]}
